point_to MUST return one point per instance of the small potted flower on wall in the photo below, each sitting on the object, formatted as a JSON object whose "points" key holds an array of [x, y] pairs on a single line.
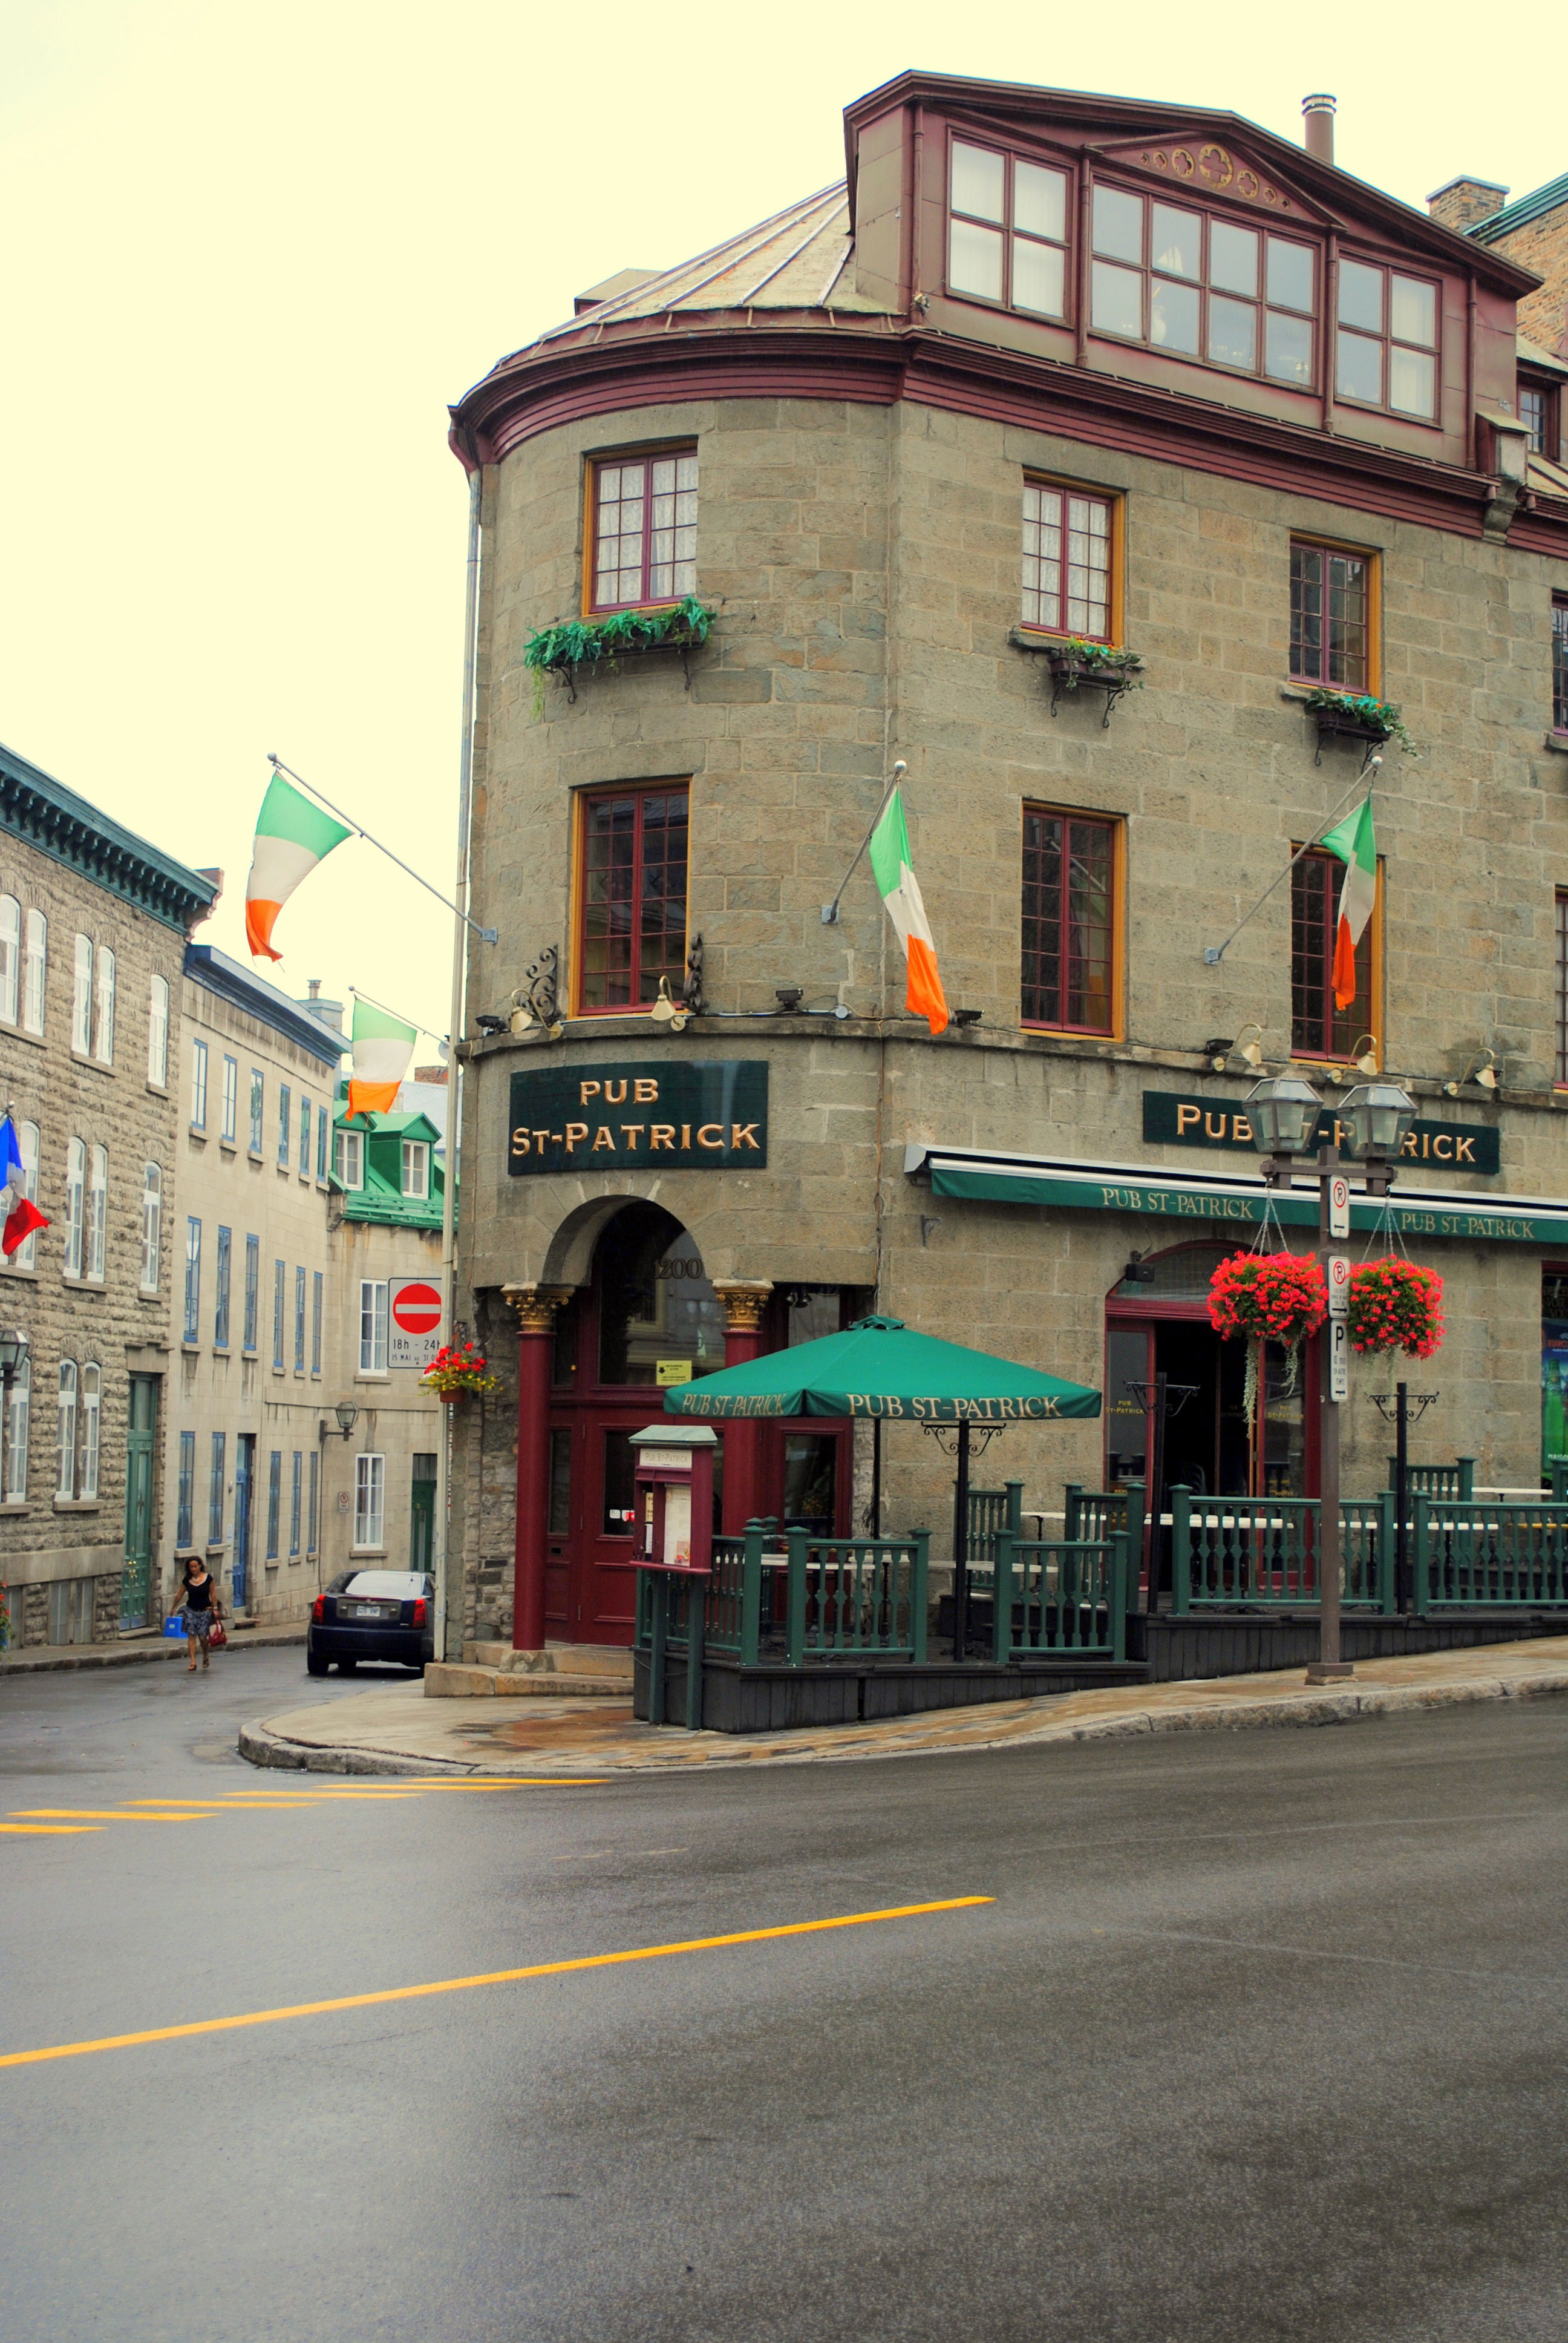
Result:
{"points": [[1357, 716], [1075, 662], [460, 1370]]}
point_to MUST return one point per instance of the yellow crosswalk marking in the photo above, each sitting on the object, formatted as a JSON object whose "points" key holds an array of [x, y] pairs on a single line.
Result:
{"points": [[98, 1814], [48, 1830]]}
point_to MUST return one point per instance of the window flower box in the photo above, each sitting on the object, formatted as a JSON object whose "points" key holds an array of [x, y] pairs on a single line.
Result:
{"points": [[565, 651], [1075, 663], [1356, 716]]}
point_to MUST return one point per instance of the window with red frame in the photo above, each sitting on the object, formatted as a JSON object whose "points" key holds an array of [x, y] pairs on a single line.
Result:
{"points": [[632, 925], [644, 529], [1385, 350], [1331, 617], [1538, 413], [1068, 920], [1067, 550], [1561, 986], [1560, 662], [1318, 1030]]}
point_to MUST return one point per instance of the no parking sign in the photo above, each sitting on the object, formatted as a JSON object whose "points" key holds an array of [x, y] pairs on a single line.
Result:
{"points": [[414, 1336]]}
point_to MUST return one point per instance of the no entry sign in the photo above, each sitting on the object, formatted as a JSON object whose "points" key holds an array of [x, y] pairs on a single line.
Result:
{"points": [[414, 1336]]}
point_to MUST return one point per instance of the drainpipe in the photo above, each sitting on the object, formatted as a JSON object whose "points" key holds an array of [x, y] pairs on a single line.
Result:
{"points": [[449, 1581]]}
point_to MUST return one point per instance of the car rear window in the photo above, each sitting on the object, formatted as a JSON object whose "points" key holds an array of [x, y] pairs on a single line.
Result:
{"points": [[404, 1585]]}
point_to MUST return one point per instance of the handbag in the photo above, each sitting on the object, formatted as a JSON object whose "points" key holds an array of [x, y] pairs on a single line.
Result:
{"points": [[218, 1639]]}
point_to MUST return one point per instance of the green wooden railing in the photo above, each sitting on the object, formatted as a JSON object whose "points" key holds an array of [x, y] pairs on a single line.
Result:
{"points": [[1455, 1480], [992, 1512], [1261, 1553], [1106, 1512], [1482, 1555], [1060, 1598], [843, 1597]]}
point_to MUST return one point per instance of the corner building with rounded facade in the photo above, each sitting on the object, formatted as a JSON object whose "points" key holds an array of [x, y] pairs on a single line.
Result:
{"points": [[1050, 378]]}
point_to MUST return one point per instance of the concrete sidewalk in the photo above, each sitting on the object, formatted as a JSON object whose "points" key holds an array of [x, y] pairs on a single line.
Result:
{"points": [[396, 1732], [130, 1651]]}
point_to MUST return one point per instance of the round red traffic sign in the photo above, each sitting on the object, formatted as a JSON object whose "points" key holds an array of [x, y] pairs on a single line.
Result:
{"points": [[417, 1309]]}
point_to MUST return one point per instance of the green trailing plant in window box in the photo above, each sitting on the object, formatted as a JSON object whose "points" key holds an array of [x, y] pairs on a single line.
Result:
{"points": [[1078, 661], [577, 643], [1379, 718]]}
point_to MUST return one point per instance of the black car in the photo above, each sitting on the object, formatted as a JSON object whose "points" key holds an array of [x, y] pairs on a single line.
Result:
{"points": [[372, 1615]]}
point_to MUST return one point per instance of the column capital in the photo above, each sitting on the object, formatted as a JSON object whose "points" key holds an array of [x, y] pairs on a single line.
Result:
{"points": [[744, 1299], [536, 1305]]}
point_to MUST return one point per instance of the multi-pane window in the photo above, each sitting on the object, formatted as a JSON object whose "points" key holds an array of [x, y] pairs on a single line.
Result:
{"points": [[10, 958], [1386, 346], [1561, 986], [1331, 624], [313, 1515], [316, 1296], [644, 529], [348, 1158], [1066, 544], [18, 1416], [257, 1103], [82, 998], [192, 1322], [215, 1489], [252, 1292], [104, 1007], [184, 1525], [199, 1085], [1537, 413], [35, 971], [633, 897], [228, 1123], [75, 1206], [415, 1167], [97, 1227], [279, 1277], [299, 1322], [66, 1433], [373, 1326], [221, 1279], [1201, 286], [303, 1136], [1006, 231], [274, 1501], [1069, 921], [1318, 1028], [92, 1430], [27, 1184], [152, 1225], [321, 1144], [158, 1030], [283, 1126], [1560, 662], [296, 1490], [369, 1500]]}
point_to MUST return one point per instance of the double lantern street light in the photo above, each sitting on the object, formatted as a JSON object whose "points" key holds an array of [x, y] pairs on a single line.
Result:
{"points": [[1284, 1113]]}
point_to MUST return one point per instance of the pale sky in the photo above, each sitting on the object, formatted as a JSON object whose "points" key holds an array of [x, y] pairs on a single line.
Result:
{"points": [[251, 254]]}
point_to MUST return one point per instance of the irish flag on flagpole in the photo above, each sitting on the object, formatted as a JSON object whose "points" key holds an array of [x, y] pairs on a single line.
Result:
{"points": [[890, 853], [383, 1048], [1352, 840], [291, 837]]}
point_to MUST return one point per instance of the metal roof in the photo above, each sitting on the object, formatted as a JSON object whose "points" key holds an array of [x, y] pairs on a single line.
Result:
{"points": [[37, 808], [1520, 215]]}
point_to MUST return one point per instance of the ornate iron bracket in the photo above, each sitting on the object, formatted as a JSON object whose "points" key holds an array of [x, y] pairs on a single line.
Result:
{"points": [[534, 1002]]}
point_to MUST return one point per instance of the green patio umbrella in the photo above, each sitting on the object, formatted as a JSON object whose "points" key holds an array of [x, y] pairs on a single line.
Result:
{"points": [[886, 1371]]}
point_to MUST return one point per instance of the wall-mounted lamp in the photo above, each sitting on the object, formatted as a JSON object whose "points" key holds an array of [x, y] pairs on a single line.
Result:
{"points": [[1364, 1059], [669, 1011], [1248, 1046], [1481, 1070], [491, 1024], [789, 997], [347, 1416], [1138, 1272]]}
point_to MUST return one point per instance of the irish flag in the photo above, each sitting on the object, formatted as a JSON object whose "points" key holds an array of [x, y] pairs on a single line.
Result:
{"points": [[383, 1047], [1351, 841], [291, 837], [890, 853]]}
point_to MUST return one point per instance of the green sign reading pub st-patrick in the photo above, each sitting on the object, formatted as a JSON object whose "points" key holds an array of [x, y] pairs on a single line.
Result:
{"points": [[695, 1115], [1222, 1122]]}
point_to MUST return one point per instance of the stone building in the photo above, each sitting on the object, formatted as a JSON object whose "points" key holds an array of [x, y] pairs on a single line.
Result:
{"points": [[1050, 378], [93, 931]]}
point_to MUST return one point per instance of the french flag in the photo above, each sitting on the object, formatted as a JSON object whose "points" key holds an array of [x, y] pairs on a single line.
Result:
{"points": [[22, 1215]]}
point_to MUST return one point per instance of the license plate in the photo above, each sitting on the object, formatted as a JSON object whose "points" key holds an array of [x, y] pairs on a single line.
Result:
{"points": [[368, 1611]]}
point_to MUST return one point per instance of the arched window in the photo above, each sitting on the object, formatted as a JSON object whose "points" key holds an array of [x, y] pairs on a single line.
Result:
{"points": [[75, 1206], [17, 1420], [82, 998], [97, 1211], [158, 1032], [92, 1428], [152, 1226], [10, 958], [35, 967], [26, 1253], [104, 1008], [66, 1433]]}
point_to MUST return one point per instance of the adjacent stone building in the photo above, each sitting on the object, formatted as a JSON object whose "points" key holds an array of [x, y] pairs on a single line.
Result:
{"points": [[93, 923], [1093, 460]]}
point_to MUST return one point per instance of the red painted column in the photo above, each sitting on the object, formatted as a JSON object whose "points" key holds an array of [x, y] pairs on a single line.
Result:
{"points": [[744, 1299], [536, 1306]]}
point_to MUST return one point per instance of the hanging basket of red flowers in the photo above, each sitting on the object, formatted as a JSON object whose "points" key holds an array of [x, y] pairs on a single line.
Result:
{"points": [[1396, 1305], [1274, 1297], [459, 1372]]}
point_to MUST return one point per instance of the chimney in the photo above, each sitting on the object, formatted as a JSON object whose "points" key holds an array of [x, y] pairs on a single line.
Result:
{"points": [[1464, 201], [1317, 129], [313, 986]]}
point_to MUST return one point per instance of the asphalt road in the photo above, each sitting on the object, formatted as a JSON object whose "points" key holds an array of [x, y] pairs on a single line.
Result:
{"points": [[1261, 2036]]}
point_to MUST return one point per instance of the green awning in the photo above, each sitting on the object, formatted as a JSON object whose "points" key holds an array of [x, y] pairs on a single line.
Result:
{"points": [[881, 1368]]}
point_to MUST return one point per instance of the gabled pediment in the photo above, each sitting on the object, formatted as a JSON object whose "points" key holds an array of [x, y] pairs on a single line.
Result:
{"points": [[1208, 169]]}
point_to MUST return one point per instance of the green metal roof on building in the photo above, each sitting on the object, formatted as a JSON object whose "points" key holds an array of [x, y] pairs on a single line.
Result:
{"points": [[381, 1198], [1520, 215]]}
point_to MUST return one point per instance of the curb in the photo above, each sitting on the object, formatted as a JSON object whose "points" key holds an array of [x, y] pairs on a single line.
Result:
{"points": [[139, 1655], [262, 1747]]}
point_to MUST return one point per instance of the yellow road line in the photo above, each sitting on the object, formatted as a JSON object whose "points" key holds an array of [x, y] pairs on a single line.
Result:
{"points": [[100, 1814], [48, 1830], [495, 1977]]}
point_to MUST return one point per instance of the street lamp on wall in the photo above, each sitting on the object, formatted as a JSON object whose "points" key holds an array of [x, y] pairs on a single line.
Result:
{"points": [[347, 1416], [1283, 1114], [1379, 1116]]}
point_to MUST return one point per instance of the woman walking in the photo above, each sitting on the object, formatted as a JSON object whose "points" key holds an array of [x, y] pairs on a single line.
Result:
{"points": [[198, 1607]]}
